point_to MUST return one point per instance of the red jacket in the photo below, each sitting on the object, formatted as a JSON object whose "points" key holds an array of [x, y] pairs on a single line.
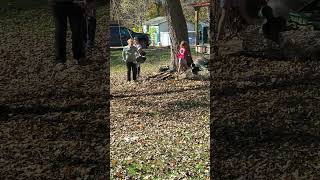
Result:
{"points": [[182, 53]]}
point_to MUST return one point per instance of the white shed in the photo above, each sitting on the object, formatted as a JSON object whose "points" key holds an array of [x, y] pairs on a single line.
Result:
{"points": [[159, 31]]}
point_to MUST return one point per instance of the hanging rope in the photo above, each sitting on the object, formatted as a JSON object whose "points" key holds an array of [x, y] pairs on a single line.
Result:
{"points": [[120, 33]]}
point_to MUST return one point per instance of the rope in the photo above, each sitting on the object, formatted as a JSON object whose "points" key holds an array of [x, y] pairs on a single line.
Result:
{"points": [[119, 29], [120, 33]]}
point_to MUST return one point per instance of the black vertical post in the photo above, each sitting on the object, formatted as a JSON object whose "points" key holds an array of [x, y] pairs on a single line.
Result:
{"points": [[197, 9]]}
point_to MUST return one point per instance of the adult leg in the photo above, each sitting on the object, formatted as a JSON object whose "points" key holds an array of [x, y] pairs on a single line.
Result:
{"points": [[92, 29], [134, 70], [60, 18], [129, 67], [85, 30], [77, 20], [92, 22]]}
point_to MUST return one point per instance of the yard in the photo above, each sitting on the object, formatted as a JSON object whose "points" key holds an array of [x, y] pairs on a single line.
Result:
{"points": [[159, 130], [265, 118], [52, 124]]}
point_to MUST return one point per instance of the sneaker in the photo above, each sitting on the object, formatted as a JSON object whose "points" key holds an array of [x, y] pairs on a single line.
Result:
{"points": [[82, 61], [60, 67]]}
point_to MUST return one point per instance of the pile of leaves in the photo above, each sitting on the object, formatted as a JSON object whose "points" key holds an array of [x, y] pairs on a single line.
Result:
{"points": [[52, 122], [265, 118]]}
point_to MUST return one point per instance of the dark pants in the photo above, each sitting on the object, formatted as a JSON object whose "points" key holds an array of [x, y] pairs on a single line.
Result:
{"points": [[62, 12], [90, 29], [131, 67]]}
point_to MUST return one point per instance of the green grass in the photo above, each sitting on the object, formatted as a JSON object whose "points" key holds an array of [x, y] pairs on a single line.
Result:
{"points": [[155, 59]]}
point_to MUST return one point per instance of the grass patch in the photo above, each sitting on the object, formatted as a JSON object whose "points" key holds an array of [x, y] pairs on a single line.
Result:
{"points": [[155, 58]]}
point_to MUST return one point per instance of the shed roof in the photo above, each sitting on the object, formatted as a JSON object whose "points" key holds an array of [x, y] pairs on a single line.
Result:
{"points": [[156, 21]]}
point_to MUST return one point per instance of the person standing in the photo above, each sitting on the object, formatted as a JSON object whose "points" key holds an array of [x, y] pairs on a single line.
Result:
{"points": [[64, 10], [129, 55], [182, 54], [139, 49]]}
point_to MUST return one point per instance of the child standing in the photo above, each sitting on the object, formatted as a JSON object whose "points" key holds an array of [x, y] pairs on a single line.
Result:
{"points": [[129, 54], [182, 54], [140, 55]]}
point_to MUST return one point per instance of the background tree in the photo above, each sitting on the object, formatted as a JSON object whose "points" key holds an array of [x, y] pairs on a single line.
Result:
{"points": [[177, 27], [189, 11], [155, 9], [133, 15]]}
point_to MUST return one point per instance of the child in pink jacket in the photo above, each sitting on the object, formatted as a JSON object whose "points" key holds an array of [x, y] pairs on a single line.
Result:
{"points": [[182, 54]]}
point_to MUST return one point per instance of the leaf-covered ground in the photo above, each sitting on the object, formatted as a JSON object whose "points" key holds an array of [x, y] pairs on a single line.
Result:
{"points": [[265, 116], [159, 130], [52, 124]]}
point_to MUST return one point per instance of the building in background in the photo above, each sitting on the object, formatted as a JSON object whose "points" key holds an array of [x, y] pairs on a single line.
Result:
{"points": [[158, 30], [204, 32]]}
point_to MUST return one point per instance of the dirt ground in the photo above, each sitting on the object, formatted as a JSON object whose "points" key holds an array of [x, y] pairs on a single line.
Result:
{"points": [[52, 123], [265, 118], [159, 129]]}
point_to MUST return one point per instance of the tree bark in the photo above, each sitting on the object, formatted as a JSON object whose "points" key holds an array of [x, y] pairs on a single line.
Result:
{"points": [[214, 18], [177, 27], [214, 14]]}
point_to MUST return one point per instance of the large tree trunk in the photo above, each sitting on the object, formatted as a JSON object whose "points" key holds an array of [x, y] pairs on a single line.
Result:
{"points": [[177, 26], [214, 20]]}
